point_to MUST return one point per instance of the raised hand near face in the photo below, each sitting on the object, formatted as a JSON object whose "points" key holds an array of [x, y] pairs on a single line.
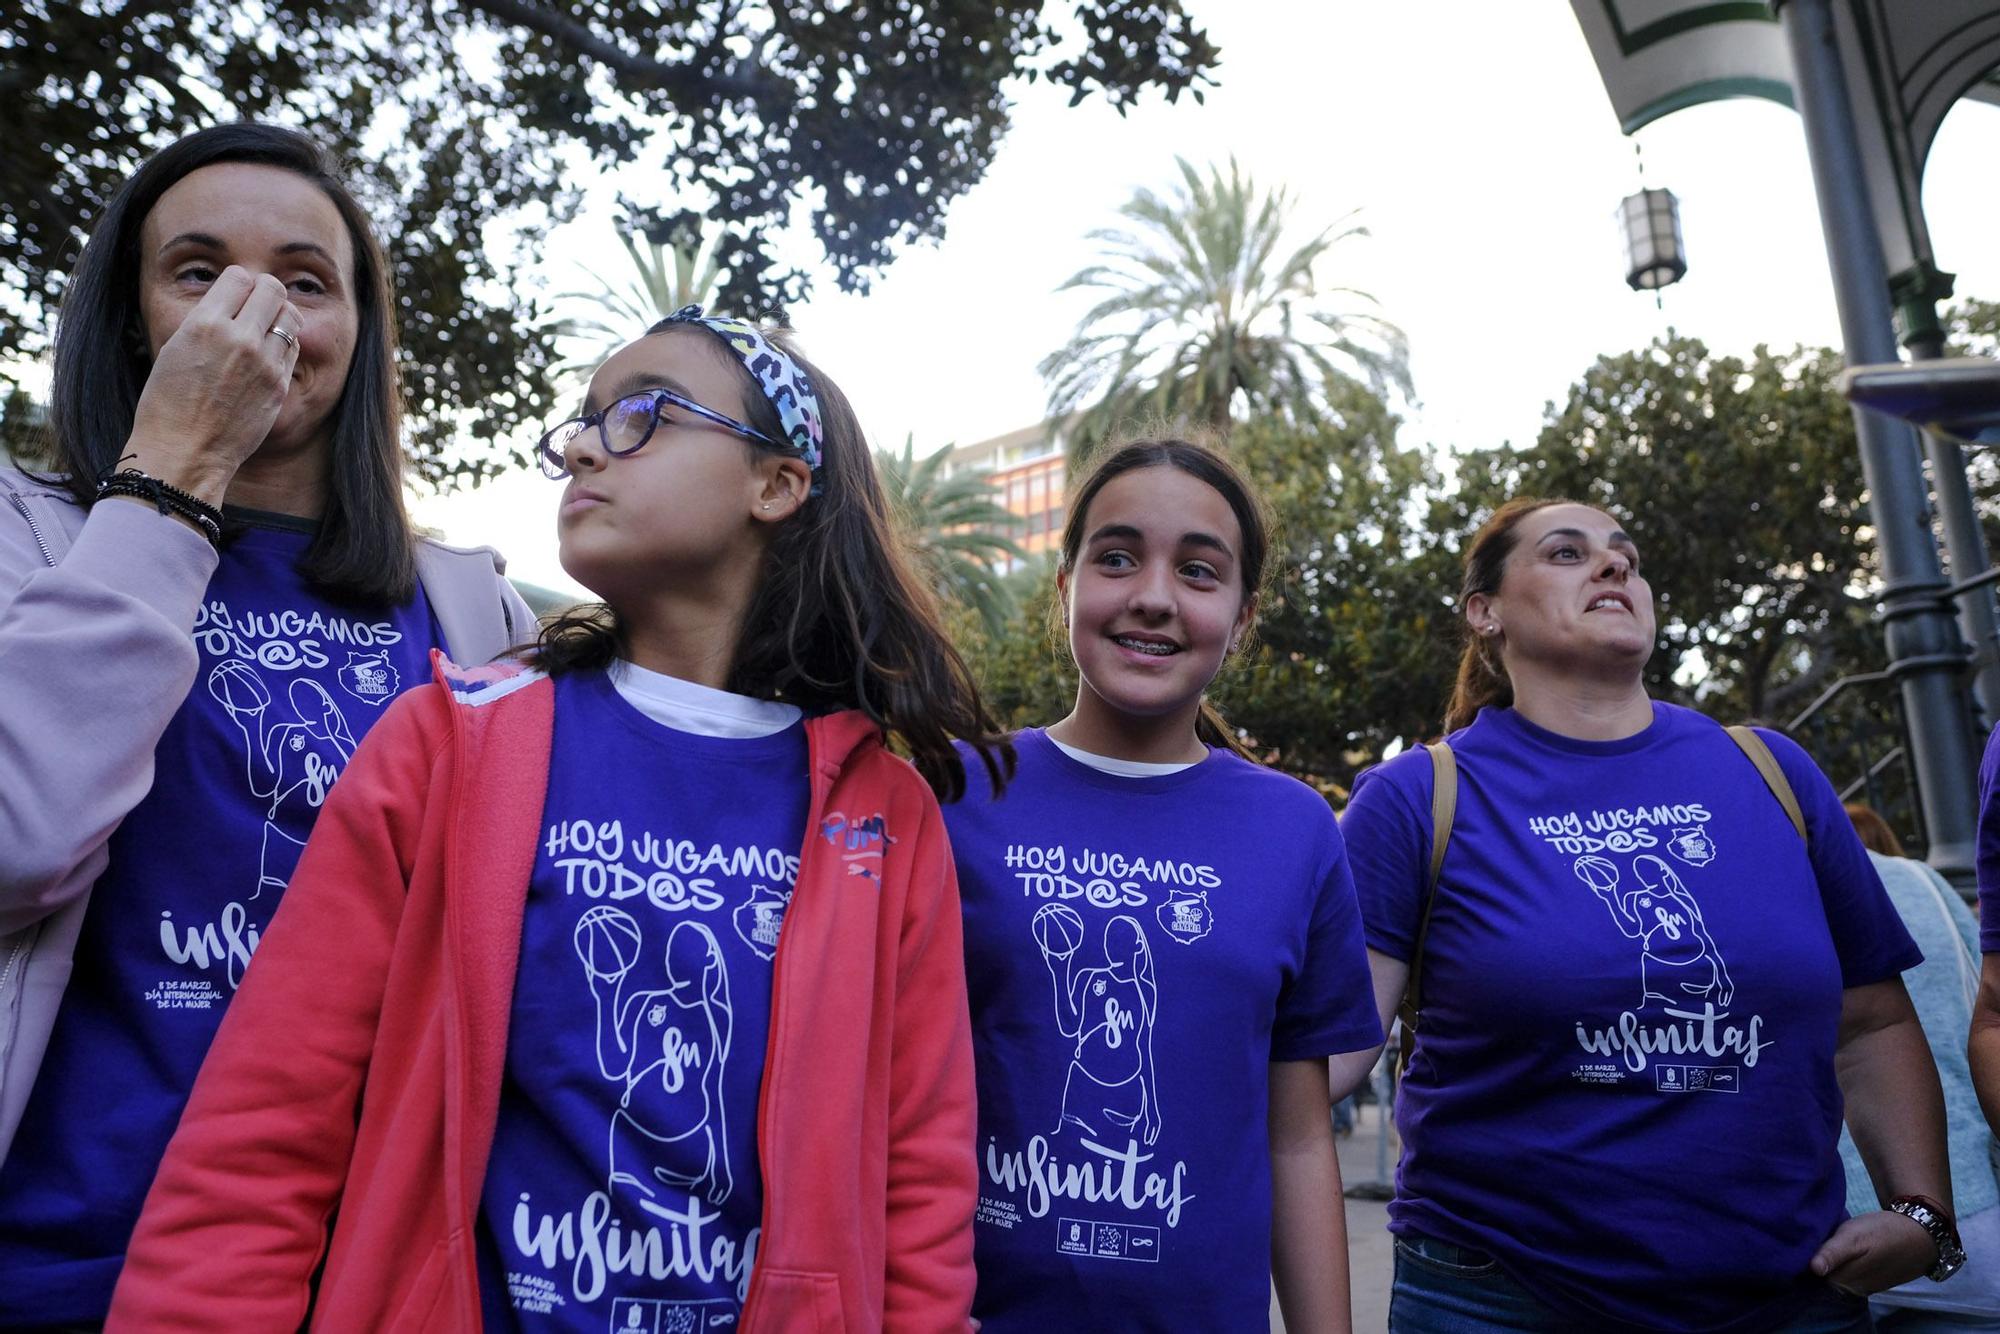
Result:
{"points": [[217, 384]]}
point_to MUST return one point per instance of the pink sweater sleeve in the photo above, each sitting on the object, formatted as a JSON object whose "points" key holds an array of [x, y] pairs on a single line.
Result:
{"points": [[96, 655]]}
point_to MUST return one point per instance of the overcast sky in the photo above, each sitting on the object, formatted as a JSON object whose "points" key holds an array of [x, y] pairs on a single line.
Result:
{"points": [[1478, 142]]}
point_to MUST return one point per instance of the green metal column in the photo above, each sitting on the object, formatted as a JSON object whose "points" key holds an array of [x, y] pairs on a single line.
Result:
{"points": [[1926, 656]]}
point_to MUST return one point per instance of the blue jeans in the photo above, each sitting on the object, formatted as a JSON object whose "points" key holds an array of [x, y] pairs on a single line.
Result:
{"points": [[1446, 1289]]}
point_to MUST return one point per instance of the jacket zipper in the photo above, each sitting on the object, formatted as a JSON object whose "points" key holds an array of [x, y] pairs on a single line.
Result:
{"points": [[815, 810], [48, 557], [25, 939], [13, 957]]}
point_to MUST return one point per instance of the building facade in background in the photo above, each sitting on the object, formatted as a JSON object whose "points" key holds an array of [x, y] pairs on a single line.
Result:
{"points": [[1025, 469]]}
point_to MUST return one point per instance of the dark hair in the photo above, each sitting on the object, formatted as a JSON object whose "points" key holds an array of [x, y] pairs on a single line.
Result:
{"points": [[365, 548], [838, 621], [1482, 677], [1204, 465], [1876, 835]]}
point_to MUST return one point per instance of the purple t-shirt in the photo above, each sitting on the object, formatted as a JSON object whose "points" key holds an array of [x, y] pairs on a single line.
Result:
{"points": [[289, 683], [623, 1191], [1623, 1086], [1989, 846], [1138, 951]]}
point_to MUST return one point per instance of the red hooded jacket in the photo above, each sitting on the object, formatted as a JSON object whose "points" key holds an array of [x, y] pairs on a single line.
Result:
{"points": [[359, 1066]]}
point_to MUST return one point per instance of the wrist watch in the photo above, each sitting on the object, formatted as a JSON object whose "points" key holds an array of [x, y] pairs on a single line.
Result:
{"points": [[1935, 1219]]}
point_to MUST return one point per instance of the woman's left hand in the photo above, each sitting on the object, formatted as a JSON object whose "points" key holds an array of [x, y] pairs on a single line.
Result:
{"points": [[1875, 1251]]}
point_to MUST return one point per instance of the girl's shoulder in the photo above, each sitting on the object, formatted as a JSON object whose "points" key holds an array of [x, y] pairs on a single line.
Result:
{"points": [[480, 694], [850, 747], [1409, 773], [1269, 785]]}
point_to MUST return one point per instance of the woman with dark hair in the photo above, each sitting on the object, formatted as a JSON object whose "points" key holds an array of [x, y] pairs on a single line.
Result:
{"points": [[1646, 961], [622, 985], [1162, 952], [201, 615]]}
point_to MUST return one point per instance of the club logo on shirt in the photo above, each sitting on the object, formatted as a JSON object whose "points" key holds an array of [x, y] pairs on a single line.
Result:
{"points": [[1185, 916], [370, 677], [759, 918], [1692, 846]]}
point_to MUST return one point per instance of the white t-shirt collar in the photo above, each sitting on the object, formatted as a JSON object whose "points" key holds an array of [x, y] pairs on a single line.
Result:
{"points": [[701, 710]]}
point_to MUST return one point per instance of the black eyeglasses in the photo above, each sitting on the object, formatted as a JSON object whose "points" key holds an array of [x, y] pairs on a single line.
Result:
{"points": [[625, 426]]}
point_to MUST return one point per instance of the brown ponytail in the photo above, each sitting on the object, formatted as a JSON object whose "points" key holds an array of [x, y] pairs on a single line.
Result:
{"points": [[1212, 729], [1482, 677]]}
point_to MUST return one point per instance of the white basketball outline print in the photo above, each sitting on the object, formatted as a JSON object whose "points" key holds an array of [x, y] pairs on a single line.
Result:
{"points": [[1100, 1022], [1660, 907], [653, 1112], [269, 748]]}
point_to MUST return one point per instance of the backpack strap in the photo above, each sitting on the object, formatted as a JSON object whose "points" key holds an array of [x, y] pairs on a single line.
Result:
{"points": [[1444, 806], [1774, 777]]}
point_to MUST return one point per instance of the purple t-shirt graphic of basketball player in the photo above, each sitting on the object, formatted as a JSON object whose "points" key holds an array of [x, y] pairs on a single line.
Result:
{"points": [[1110, 1010], [1138, 952], [196, 871], [667, 1048], [1679, 960], [293, 753], [623, 1184]]}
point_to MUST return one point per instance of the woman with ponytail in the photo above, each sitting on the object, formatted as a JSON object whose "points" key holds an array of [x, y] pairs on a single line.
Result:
{"points": [[1654, 959], [1162, 951]]}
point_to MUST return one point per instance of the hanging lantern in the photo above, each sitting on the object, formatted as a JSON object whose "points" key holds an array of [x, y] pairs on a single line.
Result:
{"points": [[1653, 255]]}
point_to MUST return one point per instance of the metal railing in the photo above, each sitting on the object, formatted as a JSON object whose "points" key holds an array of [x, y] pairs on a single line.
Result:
{"points": [[1854, 730]]}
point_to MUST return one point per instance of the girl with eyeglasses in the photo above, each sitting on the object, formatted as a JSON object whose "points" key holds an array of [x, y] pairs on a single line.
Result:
{"points": [[622, 986]]}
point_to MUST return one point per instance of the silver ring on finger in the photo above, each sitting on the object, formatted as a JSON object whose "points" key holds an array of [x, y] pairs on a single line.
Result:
{"points": [[286, 334]]}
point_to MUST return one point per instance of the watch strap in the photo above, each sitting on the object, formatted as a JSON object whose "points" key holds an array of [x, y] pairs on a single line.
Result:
{"points": [[1936, 1220]]}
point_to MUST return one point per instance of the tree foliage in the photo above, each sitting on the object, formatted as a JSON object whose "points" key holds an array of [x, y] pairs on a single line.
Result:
{"points": [[1354, 642], [1023, 666], [1973, 327], [1741, 482], [1205, 312], [1739, 477], [954, 527], [673, 264], [468, 119]]}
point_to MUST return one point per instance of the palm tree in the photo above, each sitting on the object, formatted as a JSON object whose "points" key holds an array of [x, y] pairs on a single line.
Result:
{"points": [[1202, 316], [672, 267], [956, 529]]}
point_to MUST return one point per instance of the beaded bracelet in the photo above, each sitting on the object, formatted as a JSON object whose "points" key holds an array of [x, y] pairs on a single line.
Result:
{"points": [[167, 498]]}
